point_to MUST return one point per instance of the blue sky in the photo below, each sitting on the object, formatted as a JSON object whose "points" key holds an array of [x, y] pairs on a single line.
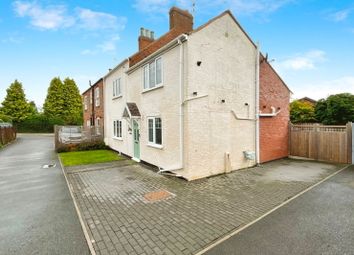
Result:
{"points": [[311, 41]]}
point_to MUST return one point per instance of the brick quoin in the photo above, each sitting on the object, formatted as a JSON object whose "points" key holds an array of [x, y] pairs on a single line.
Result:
{"points": [[274, 131]]}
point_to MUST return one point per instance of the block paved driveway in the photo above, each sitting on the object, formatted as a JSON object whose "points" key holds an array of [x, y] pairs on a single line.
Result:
{"points": [[121, 221], [36, 209], [318, 222]]}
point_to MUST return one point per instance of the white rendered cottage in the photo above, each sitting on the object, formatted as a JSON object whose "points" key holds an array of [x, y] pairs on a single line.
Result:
{"points": [[186, 101]]}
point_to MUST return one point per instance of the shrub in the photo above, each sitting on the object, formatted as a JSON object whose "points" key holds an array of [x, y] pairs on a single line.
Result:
{"points": [[38, 123]]}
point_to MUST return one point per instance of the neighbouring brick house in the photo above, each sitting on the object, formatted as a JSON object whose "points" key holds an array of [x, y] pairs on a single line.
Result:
{"points": [[93, 106], [308, 100], [274, 114], [187, 102]]}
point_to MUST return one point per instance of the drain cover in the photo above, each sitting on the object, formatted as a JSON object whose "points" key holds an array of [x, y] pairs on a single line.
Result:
{"points": [[49, 165], [158, 195]]}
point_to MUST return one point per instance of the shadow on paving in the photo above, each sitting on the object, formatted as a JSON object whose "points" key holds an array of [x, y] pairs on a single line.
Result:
{"points": [[121, 219]]}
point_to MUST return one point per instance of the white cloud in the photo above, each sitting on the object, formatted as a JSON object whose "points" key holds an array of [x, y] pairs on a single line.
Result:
{"points": [[109, 45], [92, 20], [55, 17], [306, 61], [46, 18], [340, 15], [323, 89]]}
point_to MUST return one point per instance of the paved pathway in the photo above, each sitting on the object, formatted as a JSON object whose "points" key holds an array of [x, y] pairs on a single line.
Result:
{"points": [[121, 220], [320, 221], [37, 212]]}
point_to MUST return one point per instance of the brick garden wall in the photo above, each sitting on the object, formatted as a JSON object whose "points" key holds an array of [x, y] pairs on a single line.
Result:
{"points": [[274, 131]]}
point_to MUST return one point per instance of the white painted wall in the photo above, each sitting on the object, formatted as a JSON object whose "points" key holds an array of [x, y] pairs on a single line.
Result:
{"points": [[227, 72], [114, 110]]}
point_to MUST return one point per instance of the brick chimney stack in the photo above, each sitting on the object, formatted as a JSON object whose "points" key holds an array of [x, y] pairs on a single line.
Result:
{"points": [[146, 37], [181, 20]]}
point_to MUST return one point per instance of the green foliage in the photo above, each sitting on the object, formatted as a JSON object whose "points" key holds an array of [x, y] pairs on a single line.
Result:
{"points": [[54, 102], [33, 107], [5, 118], [302, 112], [38, 123], [72, 103], [336, 109], [84, 146], [15, 103], [88, 157], [64, 101]]}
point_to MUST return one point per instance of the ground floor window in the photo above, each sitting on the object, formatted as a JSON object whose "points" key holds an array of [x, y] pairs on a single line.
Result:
{"points": [[155, 130], [88, 123], [117, 128]]}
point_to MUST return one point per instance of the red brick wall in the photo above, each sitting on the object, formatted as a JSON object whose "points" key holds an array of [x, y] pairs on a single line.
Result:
{"points": [[274, 131], [92, 109]]}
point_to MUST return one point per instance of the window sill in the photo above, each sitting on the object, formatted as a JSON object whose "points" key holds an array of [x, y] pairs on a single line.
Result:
{"points": [[118, 138], [150, 89], [156, 146], [116, 97]]}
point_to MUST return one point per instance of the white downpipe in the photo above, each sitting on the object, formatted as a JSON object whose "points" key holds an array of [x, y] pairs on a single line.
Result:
{"points": [[257, 105], [181, 113]]}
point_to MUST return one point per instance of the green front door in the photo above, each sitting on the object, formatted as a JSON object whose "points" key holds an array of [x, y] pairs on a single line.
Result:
{"points": [[136, 139]]}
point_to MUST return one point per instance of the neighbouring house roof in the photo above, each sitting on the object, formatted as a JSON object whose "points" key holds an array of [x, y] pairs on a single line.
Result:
{"points": [[310, 100], [92, 86], [131, 110], [261, 59]]}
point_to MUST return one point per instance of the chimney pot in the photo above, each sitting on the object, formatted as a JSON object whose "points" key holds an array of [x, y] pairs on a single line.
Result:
{"points": [[146, 37]]}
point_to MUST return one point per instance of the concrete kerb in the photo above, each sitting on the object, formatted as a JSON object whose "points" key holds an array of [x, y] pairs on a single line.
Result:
{"points": [[83, 225], [238, 230]]}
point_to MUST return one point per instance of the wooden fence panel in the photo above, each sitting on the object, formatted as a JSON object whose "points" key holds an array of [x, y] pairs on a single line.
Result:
{"points": [[320, 142]]}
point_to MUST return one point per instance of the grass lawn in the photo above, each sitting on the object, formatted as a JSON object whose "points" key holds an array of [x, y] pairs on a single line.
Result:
{"points": [[88, 157]]}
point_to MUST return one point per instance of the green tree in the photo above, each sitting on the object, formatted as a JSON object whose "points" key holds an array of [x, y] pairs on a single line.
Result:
{"points": [[54, 102], [15, 104], [336, 109], [72, 103], [63, 101], [33, 107], [302, 112]]}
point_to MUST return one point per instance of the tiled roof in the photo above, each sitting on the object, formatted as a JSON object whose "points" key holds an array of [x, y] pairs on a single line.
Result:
{"points": [[133, 109]]}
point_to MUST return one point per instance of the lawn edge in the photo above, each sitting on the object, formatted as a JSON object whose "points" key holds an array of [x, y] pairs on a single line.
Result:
{"points": [[83, 225], [238, 230]]}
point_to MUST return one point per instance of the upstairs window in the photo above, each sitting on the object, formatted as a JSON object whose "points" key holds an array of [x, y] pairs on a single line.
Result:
{"points": [[85, 103], [117, 89], [153, 74], [97, 96], [155, 130]]}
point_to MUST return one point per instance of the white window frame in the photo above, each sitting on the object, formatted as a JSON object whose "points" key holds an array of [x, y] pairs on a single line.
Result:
{"points": [[153, 142], [97, 96], [146, 75], [85, 103], [117, 88], [118, 129], [88, 123]]}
